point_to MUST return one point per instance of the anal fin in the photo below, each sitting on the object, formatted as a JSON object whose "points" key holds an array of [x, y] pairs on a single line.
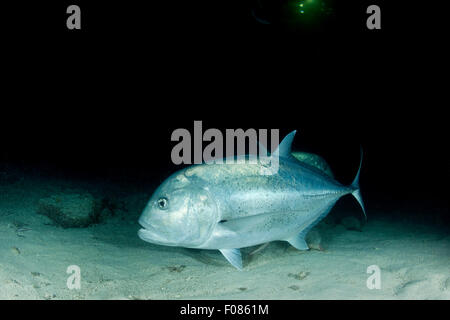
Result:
{"points": [[233, 256], [298, 241]]}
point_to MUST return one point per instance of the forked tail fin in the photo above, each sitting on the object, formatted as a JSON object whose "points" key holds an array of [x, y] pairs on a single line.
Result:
{"points": [[355, 185]]}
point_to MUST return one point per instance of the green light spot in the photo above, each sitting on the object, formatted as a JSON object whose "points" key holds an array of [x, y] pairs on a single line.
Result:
{"points": [[302, 11]]}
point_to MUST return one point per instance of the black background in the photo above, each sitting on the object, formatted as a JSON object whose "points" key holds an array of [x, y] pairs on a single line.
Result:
{"points": [[103, 101], [276, 307]]}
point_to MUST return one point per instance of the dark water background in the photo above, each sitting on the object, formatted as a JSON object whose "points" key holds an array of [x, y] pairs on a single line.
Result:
{"points": [[103, 102]]}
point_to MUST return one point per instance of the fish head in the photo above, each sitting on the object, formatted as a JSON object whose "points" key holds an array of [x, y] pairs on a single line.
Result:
{"points": [[181, 212]]}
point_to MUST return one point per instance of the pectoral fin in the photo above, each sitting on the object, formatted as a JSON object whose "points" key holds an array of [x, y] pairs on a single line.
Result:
{"points": [[233, 256], [298, 242]]}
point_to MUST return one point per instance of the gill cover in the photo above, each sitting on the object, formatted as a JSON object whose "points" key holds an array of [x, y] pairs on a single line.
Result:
{"points": [[202, 215]]}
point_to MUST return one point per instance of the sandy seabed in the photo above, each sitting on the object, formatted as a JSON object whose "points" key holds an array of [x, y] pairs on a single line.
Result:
{"points": [[413, 258]]}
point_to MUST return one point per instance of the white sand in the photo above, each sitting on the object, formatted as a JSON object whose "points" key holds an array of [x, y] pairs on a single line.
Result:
{"points": [[414, 259]]}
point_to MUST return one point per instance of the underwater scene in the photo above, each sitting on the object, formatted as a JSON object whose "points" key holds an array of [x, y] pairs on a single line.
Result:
{"points": [[217, 231], [243, 150]]}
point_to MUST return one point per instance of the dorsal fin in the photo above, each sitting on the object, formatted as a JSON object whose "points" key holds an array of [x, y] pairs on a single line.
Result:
{"points": [[313, 160], [284, 148]]}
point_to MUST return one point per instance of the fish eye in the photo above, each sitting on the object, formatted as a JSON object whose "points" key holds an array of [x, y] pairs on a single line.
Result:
{"points": [[163, 203]]}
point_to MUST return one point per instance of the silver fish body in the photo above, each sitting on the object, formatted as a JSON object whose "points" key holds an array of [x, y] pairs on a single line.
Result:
{"points": [[231, 206]]}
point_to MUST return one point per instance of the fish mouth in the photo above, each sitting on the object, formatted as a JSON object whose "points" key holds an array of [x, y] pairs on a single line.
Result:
{"points": [[145, 225], [150, 234]]}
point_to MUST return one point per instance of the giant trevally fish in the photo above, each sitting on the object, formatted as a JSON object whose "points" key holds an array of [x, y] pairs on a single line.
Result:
{"points": [[232, 206]]}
